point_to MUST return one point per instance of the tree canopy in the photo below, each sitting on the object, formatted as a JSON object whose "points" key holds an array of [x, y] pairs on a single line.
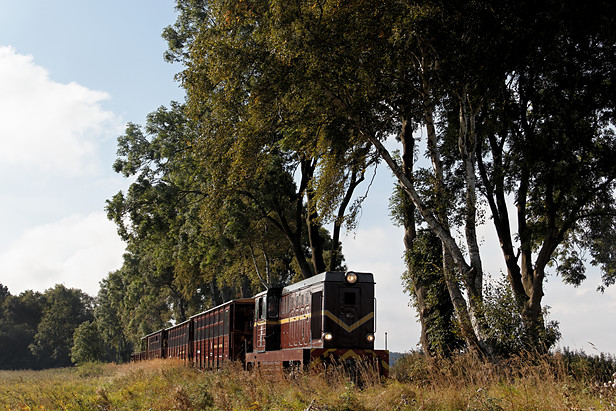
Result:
{"points": [[198, 235], [37, 329], [514, 101]]}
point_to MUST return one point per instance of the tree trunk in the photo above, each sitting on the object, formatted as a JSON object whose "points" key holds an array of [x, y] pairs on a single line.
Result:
{"points": [[410, 234], [459, 303], [314, 237], [473, 280]]}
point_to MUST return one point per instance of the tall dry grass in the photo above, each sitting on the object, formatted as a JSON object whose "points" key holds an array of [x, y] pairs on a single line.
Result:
{"points": [[528, 381], [553, 382]]}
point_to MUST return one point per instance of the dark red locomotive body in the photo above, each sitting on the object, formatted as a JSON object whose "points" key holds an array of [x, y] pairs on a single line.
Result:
{"points": [[328, 317]]}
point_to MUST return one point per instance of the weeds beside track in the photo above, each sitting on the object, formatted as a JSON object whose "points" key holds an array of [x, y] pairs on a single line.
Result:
{"points": [[552, 382]]}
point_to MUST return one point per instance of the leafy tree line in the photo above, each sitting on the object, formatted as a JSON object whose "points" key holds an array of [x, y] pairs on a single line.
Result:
{"points": [[198, 236], [46, 330], [503, 113]]}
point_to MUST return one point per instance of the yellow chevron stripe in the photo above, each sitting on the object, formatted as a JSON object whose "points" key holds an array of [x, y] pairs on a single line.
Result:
{"points": [[349, 353], [348, 328], [351, 327]]}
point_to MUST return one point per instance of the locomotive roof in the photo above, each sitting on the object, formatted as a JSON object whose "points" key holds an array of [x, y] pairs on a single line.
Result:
{"points": [[328, 276]]}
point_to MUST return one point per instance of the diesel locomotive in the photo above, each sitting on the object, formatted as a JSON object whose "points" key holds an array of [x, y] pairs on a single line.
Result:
{"points": [[326, 318]]}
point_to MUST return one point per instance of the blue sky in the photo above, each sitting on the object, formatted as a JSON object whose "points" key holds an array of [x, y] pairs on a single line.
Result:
{"points": [[72, 73]]}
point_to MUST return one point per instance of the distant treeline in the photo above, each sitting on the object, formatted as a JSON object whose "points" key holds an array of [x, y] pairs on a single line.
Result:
{"points": [[55, 328]]}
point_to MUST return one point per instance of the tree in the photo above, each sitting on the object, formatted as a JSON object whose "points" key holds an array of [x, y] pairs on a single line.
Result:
{"points": [[233, 80], [549, 145], [19, 318], [88, 344], [109, 311], [285, 52], [4, 293], [197, 235], [64, 309], [191, 245], [159, 216]]}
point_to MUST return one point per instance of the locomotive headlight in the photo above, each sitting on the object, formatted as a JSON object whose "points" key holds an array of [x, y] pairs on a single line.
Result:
{"points": [[370, 337], [351, 277], [327, 336]]}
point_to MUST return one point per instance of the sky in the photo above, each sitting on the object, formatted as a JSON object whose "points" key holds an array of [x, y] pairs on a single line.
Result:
{"points": [[72, 74]]}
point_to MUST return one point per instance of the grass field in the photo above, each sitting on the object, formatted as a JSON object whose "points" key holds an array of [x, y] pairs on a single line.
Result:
{"points": [[554, 382]]}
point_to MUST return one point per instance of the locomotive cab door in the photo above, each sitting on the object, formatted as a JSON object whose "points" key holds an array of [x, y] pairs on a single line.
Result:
{"points": [[316, 315], [267, 321], [260, 324]]}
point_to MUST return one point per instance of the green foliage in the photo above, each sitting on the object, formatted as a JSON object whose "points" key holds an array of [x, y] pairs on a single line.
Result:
{"points": [[64, 310], [91, 369], [424, 262], [159, 217], [88, 345], [589, 368], [506, 330], [288, 106], [348, 399], [4, 294], [201, 397], [109, 320], [192, 241], [19, 318], [36, 330], [252, 106]]}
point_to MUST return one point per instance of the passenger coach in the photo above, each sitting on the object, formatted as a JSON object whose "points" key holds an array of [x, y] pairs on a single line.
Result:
{"points": [[223, 333]]}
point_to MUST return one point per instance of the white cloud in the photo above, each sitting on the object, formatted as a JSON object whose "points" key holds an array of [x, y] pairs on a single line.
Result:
{"points": [[77, 251], [585, 316], [47, 125]]}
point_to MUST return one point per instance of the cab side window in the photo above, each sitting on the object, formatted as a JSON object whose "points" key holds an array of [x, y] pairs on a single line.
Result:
{"points": [[261, 308]]}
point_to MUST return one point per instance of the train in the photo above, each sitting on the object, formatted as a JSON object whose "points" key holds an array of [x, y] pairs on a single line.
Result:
{"points": [[325, 319]]}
